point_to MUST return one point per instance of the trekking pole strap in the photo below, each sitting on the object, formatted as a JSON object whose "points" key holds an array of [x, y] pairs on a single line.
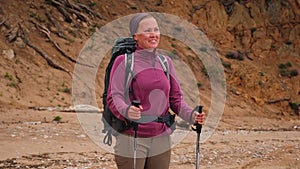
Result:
{"points": [[108, 138]]}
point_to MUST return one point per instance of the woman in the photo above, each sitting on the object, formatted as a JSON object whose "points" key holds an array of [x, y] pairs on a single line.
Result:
{"points": [[157, 94]]}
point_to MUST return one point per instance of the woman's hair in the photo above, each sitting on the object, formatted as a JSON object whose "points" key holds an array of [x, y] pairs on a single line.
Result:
{"points": [[135, 20]]}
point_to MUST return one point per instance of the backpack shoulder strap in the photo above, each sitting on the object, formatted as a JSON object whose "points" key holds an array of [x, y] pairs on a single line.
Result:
{"points": [[165, 65], [129, 73]]}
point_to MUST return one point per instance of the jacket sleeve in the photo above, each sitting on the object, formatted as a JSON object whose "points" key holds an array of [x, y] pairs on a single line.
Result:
{"points": [[177, 102], [116, 101]]}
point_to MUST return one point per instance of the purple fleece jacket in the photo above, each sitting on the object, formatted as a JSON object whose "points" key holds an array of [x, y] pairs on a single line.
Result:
{"points": [[151, 87]]}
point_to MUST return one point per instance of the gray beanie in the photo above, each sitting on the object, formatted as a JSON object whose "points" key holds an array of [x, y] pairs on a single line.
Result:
{"points": [[135, 20]]}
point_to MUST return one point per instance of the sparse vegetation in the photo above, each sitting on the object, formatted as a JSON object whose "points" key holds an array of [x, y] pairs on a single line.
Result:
{"points": [[67, 90], [294, 72], [92, 29], [261, 73], [199, 84], [92, 3], [235, 55], [37, 17], [178, 28], [289, 42], [57, 119], [226, 64], [174, 52], [285, 70], [204, 71], [295, 107], [284, 65], [203, 49], [12, 84], [253, 30], [8, 76]]}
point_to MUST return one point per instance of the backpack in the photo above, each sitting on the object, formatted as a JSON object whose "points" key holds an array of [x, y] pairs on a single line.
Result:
{"points": [[127, 46]]}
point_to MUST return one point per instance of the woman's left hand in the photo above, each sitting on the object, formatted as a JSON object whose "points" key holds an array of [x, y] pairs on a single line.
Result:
{"points": [[199, 118]]}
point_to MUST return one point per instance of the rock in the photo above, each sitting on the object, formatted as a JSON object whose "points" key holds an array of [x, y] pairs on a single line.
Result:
{"points": [[216, 17], [274, 33], [259, 33], [260, 46], [246, 39], [8, 54], [238, 92], [241, 17], [256, 13], [257, 100], [295, 34], [274, 11], [228, 5], [20, 43]]}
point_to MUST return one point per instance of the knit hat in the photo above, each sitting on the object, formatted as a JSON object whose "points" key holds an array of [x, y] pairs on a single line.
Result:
{"points": [[135, 20]]}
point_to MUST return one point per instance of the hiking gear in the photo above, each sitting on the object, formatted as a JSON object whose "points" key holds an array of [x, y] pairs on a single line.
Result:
{"points": [[198, 130], [135, 103], [122, 46], [168, 119]]}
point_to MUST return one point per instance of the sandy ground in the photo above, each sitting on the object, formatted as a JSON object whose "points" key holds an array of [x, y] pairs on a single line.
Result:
{"points": [[30, 139]]}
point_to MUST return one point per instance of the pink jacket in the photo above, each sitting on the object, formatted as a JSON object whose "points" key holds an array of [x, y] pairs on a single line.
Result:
{"points": [[151, 87]]}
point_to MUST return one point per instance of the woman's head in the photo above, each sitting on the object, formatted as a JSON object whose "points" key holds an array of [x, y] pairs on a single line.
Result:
{"points": [[144, 29]]}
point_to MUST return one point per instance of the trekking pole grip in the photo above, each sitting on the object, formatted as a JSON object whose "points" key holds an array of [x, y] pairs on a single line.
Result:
{"points": [[196, 126], [135, 103], [199, 126]]}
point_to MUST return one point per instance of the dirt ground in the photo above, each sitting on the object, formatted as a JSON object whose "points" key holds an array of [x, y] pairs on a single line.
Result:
{"points": [[31, 139]]}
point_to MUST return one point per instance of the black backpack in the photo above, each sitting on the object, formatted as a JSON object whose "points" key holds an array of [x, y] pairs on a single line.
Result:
{"points": [[127, 46]]}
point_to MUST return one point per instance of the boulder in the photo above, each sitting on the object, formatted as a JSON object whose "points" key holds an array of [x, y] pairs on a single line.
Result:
{"points": [[8, 54]]}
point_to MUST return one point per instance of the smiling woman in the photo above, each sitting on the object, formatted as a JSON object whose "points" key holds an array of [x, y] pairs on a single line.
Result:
{"points": [[147, 35], [156, 90]]}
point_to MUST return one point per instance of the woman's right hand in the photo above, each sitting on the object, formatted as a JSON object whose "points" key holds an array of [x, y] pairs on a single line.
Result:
{"points": [[134, 113]]}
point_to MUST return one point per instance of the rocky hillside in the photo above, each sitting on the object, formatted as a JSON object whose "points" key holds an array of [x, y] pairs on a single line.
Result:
{"points": [[258, 42]]}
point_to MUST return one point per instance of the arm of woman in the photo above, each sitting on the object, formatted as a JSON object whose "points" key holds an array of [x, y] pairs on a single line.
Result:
{"points": [[177, 102]]}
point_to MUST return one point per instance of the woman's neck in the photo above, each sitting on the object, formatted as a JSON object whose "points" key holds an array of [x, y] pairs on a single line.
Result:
{"points": [[147, 49]]}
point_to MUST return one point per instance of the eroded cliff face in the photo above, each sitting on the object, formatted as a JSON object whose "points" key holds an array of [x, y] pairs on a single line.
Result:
{"points": [[265, 34], [258, 42]]}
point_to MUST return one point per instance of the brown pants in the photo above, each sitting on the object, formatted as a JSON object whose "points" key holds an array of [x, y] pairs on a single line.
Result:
{"points": [[152, 153]]}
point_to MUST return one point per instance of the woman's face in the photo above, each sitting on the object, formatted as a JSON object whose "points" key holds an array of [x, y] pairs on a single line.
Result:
{"points": [[148, 34]]}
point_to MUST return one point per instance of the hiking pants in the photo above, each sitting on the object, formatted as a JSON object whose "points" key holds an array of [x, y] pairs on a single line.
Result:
{"points": [[152, 153]]}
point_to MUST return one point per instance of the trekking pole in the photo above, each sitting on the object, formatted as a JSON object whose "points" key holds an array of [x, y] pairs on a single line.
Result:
{"points": [[198, 130], [135, 103]]}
